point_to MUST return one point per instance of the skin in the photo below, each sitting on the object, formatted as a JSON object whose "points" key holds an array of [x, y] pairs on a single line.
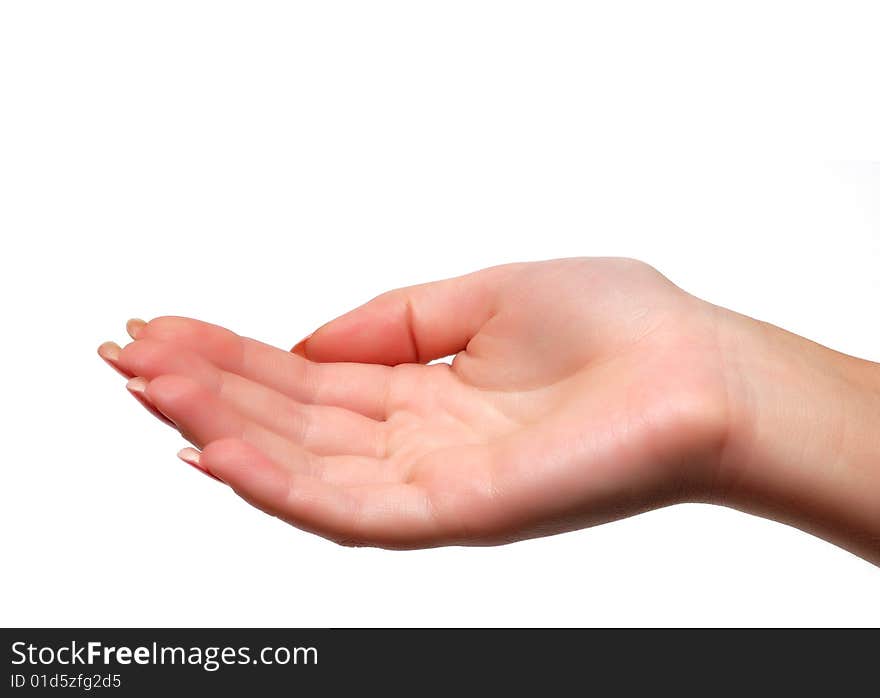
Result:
{"points": [[581, 391]]}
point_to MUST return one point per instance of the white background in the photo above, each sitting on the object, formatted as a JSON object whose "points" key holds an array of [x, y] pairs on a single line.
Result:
{"points": [[267, 166]]}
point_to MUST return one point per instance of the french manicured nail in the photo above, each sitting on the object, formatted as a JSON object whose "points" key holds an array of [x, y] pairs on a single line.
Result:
{"points": [[109, 351], [137, 386], [191, 456], [134, 327], [300, 347]]}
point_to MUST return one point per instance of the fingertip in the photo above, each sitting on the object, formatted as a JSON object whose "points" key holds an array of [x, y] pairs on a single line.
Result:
{"points": [[135, 327], [137, 386], [109, 352], [174, 397], [171, 388], [248, 471], [226, 449], [374, 333]]}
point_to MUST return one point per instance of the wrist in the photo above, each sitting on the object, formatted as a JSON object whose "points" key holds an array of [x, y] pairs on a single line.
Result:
{"points": [[803, 442]]}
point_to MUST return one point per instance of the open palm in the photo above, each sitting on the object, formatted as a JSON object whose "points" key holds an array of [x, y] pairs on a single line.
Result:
{"points": [[581, 391]]}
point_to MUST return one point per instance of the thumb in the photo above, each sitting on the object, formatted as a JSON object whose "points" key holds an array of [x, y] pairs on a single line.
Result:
{"points": [[410, 325]]}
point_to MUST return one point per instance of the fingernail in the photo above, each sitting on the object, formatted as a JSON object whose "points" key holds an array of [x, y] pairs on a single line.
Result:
{"points": [[109, 351], [137, 386], [300, 347], [134, 327], [191, 456]]}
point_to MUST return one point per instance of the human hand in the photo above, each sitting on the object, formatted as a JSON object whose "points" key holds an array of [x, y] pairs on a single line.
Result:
{"points": [[581, 391]]}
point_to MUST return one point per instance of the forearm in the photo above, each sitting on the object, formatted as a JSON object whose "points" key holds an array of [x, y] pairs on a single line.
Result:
{"points": [[804, 440]]}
